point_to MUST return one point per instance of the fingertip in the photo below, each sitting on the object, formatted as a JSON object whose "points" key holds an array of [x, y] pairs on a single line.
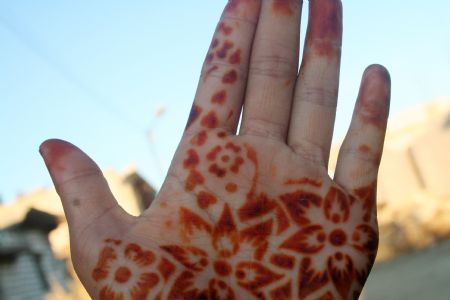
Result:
{"points": [[374, 96], [48, 144], [325, 27], [79, 182], [377, 71], [54, 150]]}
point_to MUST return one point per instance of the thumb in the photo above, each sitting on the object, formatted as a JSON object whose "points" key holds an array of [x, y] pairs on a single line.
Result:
{"points": [[83, 190]]}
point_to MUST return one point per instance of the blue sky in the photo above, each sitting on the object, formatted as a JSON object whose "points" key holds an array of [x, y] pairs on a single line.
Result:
{"points": [[95, 72]]}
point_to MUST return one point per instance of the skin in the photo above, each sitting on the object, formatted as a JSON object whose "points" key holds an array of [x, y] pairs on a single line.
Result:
{"points": [[248, 215]]}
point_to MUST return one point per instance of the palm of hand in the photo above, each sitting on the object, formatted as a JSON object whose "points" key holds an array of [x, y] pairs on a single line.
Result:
{"points": [[239, 217], [232, 224]]}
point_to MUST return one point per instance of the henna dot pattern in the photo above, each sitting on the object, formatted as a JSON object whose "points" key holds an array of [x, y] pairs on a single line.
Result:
{"points": [[230, 77], [122, 275]]}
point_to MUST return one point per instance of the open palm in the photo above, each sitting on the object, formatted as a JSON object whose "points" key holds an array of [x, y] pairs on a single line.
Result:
{"points": [[252, 215]]}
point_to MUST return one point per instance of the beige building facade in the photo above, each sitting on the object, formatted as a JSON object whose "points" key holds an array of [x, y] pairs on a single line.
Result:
{"points": [[132, 192]]}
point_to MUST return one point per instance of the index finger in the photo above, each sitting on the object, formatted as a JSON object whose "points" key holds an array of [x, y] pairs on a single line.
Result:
{"points": [[221, 88]]}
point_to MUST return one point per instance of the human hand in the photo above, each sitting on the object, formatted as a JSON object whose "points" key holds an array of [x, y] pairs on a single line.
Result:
{"points": [[252, 215]]}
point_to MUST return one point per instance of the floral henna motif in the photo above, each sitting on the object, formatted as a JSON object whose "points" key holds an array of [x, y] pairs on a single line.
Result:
{"points": [[237, 259], [341, 223], [305, 243], [223, 266], [128, 272], [350, 239]]}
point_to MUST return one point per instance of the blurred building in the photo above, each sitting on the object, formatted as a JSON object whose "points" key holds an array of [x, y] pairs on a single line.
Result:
{"points": [[34, 240], [28, 267]]}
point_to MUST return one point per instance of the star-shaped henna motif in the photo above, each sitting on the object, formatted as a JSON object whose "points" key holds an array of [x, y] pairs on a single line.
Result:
{"points": [[221, 258]]}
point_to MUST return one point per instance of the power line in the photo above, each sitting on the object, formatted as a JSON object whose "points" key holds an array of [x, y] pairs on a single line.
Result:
{"points": [[100, 100]]}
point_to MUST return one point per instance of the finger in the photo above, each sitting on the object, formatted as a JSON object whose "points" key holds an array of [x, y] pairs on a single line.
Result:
{"points": [[84, 192], [314, 106], [273, 69], [222, 83], [360, 153]]}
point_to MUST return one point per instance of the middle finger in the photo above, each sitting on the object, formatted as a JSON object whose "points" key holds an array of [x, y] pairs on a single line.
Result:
{"points": [[273, 69]]}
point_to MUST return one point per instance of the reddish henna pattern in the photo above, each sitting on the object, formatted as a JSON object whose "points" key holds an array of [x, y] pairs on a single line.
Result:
{"points": [[209, 58], [298, 203], [219, 97], [283, 261], [55, 153], [259, 218], [235, 58], [214, 43], [210, 70], [212, 155], [200, 138], [113, 241], [102, 268], [224, 28], [364, 149], [253, 276], [329, 296], [223, 52], [304, 180], [371, 105], [309, 279], [230, 77], [325, 27], [192, 160], [311, 242], [192, 258], [338, 238], [312, 239], [116, 262], [367, 195], [141, 258], [283, 292], [221, 134], [225, 236], [210, 120], [231, 187], [284, 7], [108, 293], [230, 114], [216, 170], [222, 268], [166, 268], [190, 220], [224, 159], [194, 179], [337, 206], [233, 147], [205, 199], [122, 275], [257, 236], [193, 115], [232, 5]]}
